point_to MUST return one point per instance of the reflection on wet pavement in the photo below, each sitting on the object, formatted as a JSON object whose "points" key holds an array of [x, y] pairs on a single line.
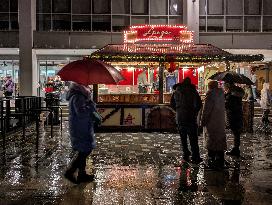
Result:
{"points": [[131, 168]]}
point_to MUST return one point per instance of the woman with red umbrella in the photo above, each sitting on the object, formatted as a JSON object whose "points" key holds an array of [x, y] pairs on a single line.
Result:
{"points": [[82, 116]]}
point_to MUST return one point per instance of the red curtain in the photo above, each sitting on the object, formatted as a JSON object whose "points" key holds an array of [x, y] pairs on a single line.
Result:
{"points": [[128, 75]]}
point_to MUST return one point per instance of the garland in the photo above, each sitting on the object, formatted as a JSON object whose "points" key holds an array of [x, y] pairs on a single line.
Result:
{"points": [[175, 58]]}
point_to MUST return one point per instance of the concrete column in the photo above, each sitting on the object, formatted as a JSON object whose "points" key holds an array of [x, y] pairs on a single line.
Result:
{"points": [[28, 63], [191, 17]]}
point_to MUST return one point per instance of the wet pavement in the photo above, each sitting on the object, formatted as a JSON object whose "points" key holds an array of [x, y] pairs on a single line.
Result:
{"points": [[131, 168]]}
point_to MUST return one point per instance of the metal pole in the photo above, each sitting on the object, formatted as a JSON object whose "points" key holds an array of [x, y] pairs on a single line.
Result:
{"points": [[161, 69], [95, 93]]}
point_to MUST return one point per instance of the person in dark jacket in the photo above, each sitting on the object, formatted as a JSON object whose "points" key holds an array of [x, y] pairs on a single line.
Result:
{"points": [[82, 114], [187, 105], [234, 111]]}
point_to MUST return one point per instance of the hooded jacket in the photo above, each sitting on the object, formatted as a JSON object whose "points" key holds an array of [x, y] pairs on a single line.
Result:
{"points": [[234, 107], [81, 125], [265, 97], [187, 104]]}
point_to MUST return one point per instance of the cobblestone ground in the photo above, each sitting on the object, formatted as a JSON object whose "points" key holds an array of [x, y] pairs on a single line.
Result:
{"points": [[131, 168]]}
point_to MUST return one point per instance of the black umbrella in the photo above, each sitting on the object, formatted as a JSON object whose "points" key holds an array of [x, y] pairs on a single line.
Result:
{"points": [[231, 77]]}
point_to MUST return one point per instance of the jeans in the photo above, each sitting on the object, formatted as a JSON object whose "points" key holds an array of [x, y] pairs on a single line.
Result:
{"points": [[190, 131]]}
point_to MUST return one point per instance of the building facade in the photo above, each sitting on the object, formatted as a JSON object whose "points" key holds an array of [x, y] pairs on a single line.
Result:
{"points": [[37, 36]]}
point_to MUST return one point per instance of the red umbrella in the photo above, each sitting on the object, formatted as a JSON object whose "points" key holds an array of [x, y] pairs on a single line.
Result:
{"points": [[87, 72]]}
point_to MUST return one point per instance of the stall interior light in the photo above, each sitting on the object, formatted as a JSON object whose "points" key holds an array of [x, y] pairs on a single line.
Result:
{"points": [[200, 69]]}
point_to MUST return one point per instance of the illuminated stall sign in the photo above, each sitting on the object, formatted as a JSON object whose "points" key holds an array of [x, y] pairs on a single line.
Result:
{"points": [[158, 33]]}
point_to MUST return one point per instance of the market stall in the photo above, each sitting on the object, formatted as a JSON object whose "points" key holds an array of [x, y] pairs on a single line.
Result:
{"points": [[152, 59]]}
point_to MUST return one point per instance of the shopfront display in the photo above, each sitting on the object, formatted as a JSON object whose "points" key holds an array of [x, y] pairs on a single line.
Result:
{"points": [[152, 59]]}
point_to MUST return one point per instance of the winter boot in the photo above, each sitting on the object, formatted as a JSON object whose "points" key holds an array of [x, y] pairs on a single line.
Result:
{"points": [[84, 178]]}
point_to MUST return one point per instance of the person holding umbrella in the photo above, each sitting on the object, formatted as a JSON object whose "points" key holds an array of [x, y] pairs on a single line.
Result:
{"points": [[82, 116], [234, 111]]}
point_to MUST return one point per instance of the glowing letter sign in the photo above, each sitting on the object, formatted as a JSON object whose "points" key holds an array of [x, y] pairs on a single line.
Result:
{"points": [[158, 33]]}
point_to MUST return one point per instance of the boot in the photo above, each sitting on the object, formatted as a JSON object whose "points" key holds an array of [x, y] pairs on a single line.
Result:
{"points": [[70, 176], [84, 178], [234, 152]]}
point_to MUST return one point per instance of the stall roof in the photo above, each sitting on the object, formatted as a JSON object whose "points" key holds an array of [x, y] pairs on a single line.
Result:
{"points": [[169, 53]]}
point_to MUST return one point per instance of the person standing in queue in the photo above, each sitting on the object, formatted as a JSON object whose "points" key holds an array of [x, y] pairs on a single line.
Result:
{"points": [[82, 117], [187, 104], [213, 119], [234, 111]]}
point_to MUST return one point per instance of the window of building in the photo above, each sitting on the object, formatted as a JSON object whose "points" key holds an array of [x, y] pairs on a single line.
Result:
{"points": [[81, 7], [4, 21], [4, 6], [215, 24], [202, 7], [101, 6], [252, 23], [267, 23], [234, 7], [120, 23], [158, 7], [120, 7], [14, 21], [215, 7], [43, 6], [175, 20], [139, 7], [61, 6], [61, 22], [43, 22], [158, 20], [81, 23], [14, 6], [234, 24], [175, 7], [267, 7], [253, 7], [202, 24], [101, 23], [139, 20]]}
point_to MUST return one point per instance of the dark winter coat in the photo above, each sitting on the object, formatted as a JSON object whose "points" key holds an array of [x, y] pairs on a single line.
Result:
{"points": [[187, 104], [234, 108], [81, 125]]}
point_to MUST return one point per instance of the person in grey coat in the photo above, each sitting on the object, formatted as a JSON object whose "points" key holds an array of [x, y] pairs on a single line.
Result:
{"points": [[82, 115], [213, 120]]}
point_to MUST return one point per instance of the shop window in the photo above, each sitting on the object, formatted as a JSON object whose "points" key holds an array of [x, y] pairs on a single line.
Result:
{"points": [[101, 6], [158, 20], [62, 6], [120, 23], [175, 7], [81, 23], [202, 7], [4, 6], [267, 7], [139, 7], [253, 7], [43, 22], [4, 21], [215, 24], [121, 7], [158, 7], [139, 20], [234, 24], [43, 6], [101, 23], [13, 5], [252, 24], [267, 23], [61, 22], [14, 21], [202, 24], [81, 7], [215, 7], [234, 7], [175, 20]]}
